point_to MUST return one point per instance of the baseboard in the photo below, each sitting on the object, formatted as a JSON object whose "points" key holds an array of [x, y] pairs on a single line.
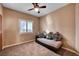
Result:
{"points": [[16, 44], [71, 50]]}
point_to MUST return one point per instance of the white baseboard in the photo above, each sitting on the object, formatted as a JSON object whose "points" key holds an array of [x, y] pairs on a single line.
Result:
{"points": [[71, 50], [16, 44]]}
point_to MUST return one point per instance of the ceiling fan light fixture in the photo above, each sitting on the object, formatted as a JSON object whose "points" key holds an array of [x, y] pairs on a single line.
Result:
{"points": [[36, 9]]}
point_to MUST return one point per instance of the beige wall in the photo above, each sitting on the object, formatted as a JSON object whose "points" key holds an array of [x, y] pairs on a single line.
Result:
{"points": [[11, 35], [0, 32], [0, 27], [77, 27], [0, 9], [63, 21]]}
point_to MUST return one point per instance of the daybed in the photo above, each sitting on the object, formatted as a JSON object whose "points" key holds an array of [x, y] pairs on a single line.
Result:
{"points": [[52, 44]]}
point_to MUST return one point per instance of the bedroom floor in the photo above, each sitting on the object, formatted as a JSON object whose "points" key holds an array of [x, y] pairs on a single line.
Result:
{"points": [[27, 49], [32, 49]]}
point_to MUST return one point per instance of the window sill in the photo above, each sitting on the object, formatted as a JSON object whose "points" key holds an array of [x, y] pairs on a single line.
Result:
{"points": [[26, 33]]}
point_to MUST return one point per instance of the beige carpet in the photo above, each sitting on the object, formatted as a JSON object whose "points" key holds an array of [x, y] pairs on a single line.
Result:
{"points": [[27, 49]]}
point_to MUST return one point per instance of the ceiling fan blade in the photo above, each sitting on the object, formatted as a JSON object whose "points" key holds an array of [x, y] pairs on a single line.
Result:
{"points": [[42, 7], [35, 5], [30, 9]]}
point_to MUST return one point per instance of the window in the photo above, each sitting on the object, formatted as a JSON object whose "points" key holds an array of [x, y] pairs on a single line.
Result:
{"points": [[29, 26], [26, 26]]}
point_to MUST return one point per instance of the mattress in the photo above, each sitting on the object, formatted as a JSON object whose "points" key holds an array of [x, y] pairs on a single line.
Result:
{"points": [[49, 42]]}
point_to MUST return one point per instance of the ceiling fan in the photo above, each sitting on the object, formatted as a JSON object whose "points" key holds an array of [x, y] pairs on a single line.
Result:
{"points": [[36, 7]]}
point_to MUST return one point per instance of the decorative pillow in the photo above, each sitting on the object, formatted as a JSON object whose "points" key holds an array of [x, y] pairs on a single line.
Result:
{"points": [[57, 36], [42, 35], [50, 36]]}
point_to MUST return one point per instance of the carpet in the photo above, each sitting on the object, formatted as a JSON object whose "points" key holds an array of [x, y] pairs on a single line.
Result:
{"points": [[27, 49]]}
